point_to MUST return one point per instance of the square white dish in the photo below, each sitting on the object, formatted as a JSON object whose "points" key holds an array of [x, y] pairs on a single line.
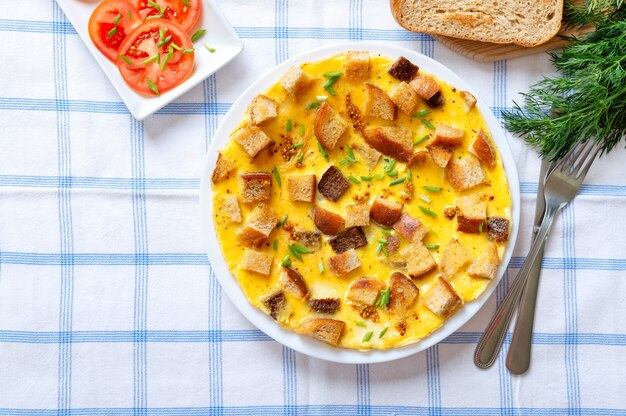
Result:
{"points": [[220, 34]]}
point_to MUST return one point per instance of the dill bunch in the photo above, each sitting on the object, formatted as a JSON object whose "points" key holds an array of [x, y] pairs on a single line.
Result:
{"points": [[589, 101]]}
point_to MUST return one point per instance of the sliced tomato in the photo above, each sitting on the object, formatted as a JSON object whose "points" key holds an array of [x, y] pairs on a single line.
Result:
{"points": [[109, 24], [183, 12], [156, 57]]}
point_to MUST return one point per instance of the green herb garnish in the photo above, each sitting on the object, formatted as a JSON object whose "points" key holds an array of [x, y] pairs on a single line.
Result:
{"points": [[409, 175], [126, 59], [421, 140], [332, 78], [275, 245], [277, 176], [382, 246], [151, 59], [188, 51], [198, 35], [186, 3], [153, 87], [350, 158], [397, 181], [170, 54], [282, 221], [386, 232], [323, 151], [353, 179], [430, 188], [312, 105], [379, 176], [383, 298], [432, 246], [154, 6], [175, 46], [428, 212], [428, 124], [286, 261], [155, 16], [383, 332], [297, 145], [360, 323], [112, 32], [366, 178], [164, 41], [297, 251], [300, 158], [117, 19], [320, 267], [288, 126], [421, 113], [335, 74], [480, 227], [301, 129], [367, 336]]}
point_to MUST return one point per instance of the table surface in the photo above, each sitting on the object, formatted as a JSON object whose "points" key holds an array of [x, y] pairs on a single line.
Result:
{"points": [[109, 305]]}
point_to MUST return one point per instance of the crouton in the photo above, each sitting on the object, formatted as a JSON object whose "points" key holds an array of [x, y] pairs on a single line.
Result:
{"points": [[365, 290], [391, 141], [275, 303], [357, 215], [378, 104], [425, 86], [440, 155], [223, 167], [344, 263], [258, 226], [404, 97], [326, 221], [448, 136], [419, 261], [410, 228], [257, 262], [323, 329], [385, 212], [327, 305], [469, 99], [393, 243], [301, 187], [472, 212], [464, 173], [403, 293], [486, 266], [293, 282], [311, 239], [296, 81], [230, 206], [498, 229], [252, 139], [262, 109], [357, 67], [441, 298], [328, 126], [453, 259], [403, 69], [351, 238], [333, 184], [256, 186], [417, 159], [367, 152], [484, 151]]}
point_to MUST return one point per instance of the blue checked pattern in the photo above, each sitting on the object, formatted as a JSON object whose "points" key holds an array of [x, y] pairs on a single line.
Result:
{"points": [[109, 306]]}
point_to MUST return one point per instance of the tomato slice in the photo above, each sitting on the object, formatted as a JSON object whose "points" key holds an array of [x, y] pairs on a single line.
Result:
{"points": [[183, 12], [156, 57], [109, 24]]}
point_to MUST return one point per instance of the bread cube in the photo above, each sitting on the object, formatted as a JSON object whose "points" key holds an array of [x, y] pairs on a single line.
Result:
{"points": [[223, 167], [326, 305], [498, 229], [357, 67], [301, 187], [256, 186], [328, 126], [453, 259], [484, 150], [326, 221], [410, 228], [293, 282], [404, 97], [425, 86], [230, 205], [262, 109], [275, 303], [441, 298], [469, 100], [367, 152], [344, 263], [296, 82], [448, 136], [378, 104], [333, 184], [486, 266], [440, 155], [385, 212], [464, 173], [365, 290], [327, 330], [257, 262], [472, 212], [357, 215], [403, 69], [391, 141], [419, 261], [311, 239], [402, 295], [252, 139], [351, 238], [418, 158], [258, 226]]}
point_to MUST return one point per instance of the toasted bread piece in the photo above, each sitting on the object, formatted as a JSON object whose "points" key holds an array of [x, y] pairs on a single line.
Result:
{"points": [[378, 104], [448, 136], [469, 100], [419, 261], [324, 329], [252, 139], [351, 238], [344, 263], [258, 226], [403, 69], [230, 204], [498, 229], [385, 212], [262, 109], [483, 149], [464, 173], [367, 152], [417, 159], [296, 81], [365, 290], [326, 221], [301, 187], [223, 167], [521, 22], [404, 97], [257, 262], [333, 184], [486, 266], [453, 259], [472, 212], [391, 141], [326, 305], [311, 239], [403, 293], [440, 155], [357, 66], [393, 243], [328, 126], [425, 86], [441, 298], [256, 186], [410, 228], [357, 215], [293, 282], [275, 303]]}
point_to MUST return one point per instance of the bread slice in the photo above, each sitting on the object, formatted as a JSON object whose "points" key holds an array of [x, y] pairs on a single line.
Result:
{"points": [[385, 212], [258, 226], [410, 228], [328, 126], [344, 263], [333, 184], [230, 205], [483, 149], [223, 167], [472, 212], [275, 303], [447, 136], [326, 221], [486, 266], [404, 97], [262, 108], [367, 152], [296, 82], [301, 187], [325, 305], [357, 66], [453, 259], [357, 215], [257, 262], [419, 261], [441, 298], [293, 282], [351, 238], [324, 329], [403, 293], [378, 104], [440, 155], [464, 173], [391, 141], [526, 23], [366, 290], [256, 186], [252, 139]]}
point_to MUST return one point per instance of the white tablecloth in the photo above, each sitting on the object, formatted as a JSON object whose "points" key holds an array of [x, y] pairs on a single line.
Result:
{"points": [[109, 306]]}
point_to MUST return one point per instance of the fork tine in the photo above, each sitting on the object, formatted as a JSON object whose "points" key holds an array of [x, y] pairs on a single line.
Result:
{"points": [[583, 172], [566, 161], [589, 146]]}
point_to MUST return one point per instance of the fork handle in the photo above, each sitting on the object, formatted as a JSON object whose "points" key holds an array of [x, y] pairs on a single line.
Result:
{"points": [[491, 341]]}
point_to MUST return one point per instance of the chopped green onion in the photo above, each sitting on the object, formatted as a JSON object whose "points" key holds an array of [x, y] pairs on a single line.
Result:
{"points": [[379, 176], [297, 251], [386, 232], [480, 227], [421, 140], [362, 324], [350, 158], [428, 124], [383, 298], [383, 332], [112, 32], [409, 174], [390, 165], [301, 129], [126, 59], [428, 212], [312, 105], [300, 158], [186, 3], [393, 174], [286, 261], [353, 179], [188, 51], [320, 267], [170, 53], [161, 33], [198, 35], [421, 113], [175, 46], [154, 5], [323, 151], [275, 245], [282, 221], [155, 16], [382, 240], [321, 97], [397, 181], [430, 188], [151, 59], [367, 336], [164, 41], [331, 90], [288, 126], [297, 145], [277, 176], [152, 87], [425, 198], [130, 17], [366, 178], [335, 74], [117, 19], [432, 246], [381, 246], [209, 48]]}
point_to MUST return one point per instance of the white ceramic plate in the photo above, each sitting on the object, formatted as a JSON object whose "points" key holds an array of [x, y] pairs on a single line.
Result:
{"points": [[230, 285], [220, 35]]}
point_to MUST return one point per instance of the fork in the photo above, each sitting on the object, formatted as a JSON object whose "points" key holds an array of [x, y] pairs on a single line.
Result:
{"points": [[560, 187]]}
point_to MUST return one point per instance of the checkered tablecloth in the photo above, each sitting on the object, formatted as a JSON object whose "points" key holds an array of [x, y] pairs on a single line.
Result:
{"points": [[108, 304]]}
